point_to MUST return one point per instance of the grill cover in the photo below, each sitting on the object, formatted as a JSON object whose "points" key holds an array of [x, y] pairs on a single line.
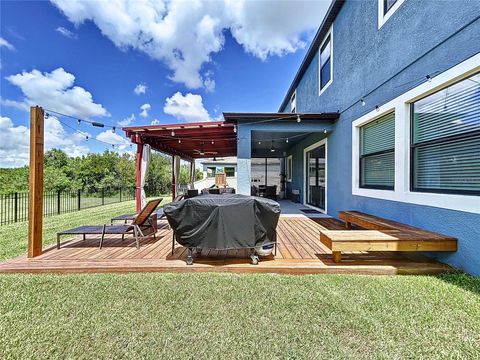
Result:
{"points": [[223, 221]]}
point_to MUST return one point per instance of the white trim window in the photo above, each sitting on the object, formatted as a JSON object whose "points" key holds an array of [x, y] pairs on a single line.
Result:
{"points": [[289, 168], [445, 140], [437, 142], [386, 8], [293, 102], [377, 153], [325, 63]]}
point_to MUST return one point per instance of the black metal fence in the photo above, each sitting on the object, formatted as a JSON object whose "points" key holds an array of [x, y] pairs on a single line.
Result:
{"points": [[14, 206]]}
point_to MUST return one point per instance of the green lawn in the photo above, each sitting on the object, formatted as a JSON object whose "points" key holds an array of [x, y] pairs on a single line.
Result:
{"points": [[227, 316]]}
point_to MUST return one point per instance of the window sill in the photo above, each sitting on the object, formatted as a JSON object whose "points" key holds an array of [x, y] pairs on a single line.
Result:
{"points": [[467, 203]]}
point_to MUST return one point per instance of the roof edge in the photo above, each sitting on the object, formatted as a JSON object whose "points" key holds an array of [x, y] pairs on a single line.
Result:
{"points": [[328, 19]]}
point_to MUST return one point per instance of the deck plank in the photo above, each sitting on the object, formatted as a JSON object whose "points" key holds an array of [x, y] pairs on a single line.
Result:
{"points": [[299, 252]]}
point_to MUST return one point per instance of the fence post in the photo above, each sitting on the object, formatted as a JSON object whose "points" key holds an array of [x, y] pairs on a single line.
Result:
{"points": [[103, 196], [16, 207], [78, 199], [58, 202], [120, 194]]}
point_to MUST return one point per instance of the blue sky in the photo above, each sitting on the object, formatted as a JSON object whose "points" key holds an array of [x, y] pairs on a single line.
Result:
{"points": [[192, 59]]}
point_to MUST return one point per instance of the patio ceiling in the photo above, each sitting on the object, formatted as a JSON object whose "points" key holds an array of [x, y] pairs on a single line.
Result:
{"points": [[262, 142], [218, 138], [188, 140]]}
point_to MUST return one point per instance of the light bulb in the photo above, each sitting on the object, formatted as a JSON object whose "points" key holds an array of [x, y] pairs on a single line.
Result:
{"points": [[173, 133], [298, 119], [286, 141], [362, 101]]}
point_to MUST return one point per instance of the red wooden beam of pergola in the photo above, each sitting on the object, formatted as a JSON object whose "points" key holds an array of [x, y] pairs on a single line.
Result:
{"points": [[190, 141]]}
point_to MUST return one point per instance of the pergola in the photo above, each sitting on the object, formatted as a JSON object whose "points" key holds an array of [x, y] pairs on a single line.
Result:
{"points": [[185, 141]]}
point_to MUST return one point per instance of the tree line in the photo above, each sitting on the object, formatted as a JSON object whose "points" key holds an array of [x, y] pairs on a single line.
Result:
{"points": [[95, 171]]}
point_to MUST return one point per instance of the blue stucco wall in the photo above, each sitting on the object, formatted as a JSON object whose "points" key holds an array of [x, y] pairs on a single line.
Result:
{"points": [[365, 57]]}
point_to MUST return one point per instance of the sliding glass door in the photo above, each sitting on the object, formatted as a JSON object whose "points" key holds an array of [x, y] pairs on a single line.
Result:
{"points": [[315, 177]]}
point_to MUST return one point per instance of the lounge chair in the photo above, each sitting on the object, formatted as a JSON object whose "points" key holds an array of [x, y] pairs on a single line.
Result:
{"points": [[139, 225], [130, 217]]}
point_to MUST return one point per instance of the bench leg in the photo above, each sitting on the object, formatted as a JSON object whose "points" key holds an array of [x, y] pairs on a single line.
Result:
{"points": [[337, 256], [58, 241], [348, 225]]}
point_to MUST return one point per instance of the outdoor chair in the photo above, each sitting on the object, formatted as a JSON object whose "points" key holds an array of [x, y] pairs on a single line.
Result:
{"points": [[271, 192], [141, 223], [191, 193], [130, 217]]}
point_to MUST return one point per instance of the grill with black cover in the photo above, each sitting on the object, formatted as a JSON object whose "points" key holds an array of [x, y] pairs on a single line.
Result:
{"points": [[223, 222]]}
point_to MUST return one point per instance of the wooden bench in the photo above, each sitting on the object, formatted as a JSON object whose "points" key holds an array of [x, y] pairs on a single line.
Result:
{"points": [[382, 235]]}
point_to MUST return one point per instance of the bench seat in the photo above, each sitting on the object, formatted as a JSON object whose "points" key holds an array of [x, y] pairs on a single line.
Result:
{"points": [[382, 235]]}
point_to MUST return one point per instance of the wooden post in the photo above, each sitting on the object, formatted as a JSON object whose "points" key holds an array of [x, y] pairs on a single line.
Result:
{"points": [[139, 178], [35, 199], [173, 178]]}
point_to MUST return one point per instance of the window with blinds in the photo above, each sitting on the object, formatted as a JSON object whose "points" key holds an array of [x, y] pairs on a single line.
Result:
{"points": [[445, 144], [377, 153]]}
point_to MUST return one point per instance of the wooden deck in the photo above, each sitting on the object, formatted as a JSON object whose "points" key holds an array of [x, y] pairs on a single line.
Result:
{"points": [[299, 252]]}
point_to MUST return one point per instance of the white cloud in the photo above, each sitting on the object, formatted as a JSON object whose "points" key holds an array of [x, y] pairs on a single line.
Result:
{"points": [[140, 89], [15, 141], [145, 108], [65, 32], [55, 91], [185, 34], [155, 122], [127, 121], [5, 43], [188, 107], [113, 138]]}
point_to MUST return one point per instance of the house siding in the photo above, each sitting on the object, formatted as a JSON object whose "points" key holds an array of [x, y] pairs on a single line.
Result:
{"points": [[417, 40]]}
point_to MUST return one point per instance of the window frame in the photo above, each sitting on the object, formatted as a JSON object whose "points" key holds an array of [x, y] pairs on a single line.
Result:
{"points": [[361, 157], [328, 36], [383, 15], [443, 140], [401, 105], [293, 102]]}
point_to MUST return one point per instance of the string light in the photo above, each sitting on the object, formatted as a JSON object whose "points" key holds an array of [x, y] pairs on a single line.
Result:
{"points": [[113, 130], [286, 141], [79, 121], [377, 108], [235, 129], [173, 133], [46, 115], [298, 119], [213, 142], [272, 149], [362, 101], [179, 141], [259, 143], [429, 78], [324, 131]]}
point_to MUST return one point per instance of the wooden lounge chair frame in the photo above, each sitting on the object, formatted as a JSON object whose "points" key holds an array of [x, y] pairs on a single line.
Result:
{"points": [[140, 224]]}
